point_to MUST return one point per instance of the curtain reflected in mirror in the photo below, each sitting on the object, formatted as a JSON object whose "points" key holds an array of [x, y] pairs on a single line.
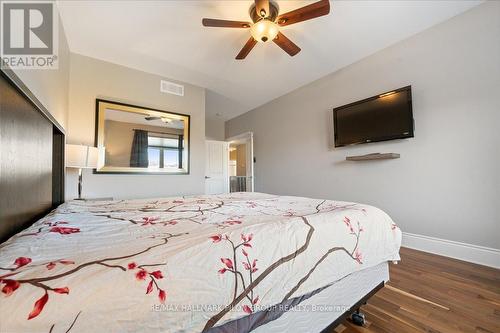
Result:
{"points": [[132, 139]]}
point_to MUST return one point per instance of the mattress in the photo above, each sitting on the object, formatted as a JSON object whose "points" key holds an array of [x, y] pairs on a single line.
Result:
{"points": [[315, 311], [186, 264]]}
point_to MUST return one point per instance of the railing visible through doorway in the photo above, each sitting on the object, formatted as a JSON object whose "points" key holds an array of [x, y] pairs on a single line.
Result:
{"points": [[238, 183]]}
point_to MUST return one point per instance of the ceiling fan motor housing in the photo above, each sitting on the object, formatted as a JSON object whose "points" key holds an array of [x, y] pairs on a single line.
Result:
{"points": [[264, 28], [272, 15]]}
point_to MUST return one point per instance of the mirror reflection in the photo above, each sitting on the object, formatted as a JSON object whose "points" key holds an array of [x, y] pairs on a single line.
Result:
{"points": [[133, 139]]}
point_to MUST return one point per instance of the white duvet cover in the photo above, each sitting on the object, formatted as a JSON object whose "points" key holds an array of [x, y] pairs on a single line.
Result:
{"points": [[181, 264]]}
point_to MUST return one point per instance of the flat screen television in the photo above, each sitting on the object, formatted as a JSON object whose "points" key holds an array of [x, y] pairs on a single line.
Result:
{"points": [[382, 117]]}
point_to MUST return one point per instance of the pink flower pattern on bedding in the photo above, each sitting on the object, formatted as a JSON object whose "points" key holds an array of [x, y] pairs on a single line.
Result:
{"points": [[239, 276], [85, 261]]}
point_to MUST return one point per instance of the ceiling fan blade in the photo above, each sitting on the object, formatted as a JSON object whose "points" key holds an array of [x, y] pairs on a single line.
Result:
{"points": [[262, 8], [224, 23], [287, 45], [246, 49], [308, 12]]}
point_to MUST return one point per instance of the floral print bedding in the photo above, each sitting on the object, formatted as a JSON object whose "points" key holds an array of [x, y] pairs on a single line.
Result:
{"points": [[184, 264]]}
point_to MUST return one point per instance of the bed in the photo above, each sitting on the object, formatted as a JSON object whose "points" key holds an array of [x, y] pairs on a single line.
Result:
{"points": [[242, 262], [230, 263]]}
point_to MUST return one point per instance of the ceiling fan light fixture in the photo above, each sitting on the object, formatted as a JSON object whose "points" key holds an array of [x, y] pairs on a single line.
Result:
{"points": [[267, 21], [264, 30]]}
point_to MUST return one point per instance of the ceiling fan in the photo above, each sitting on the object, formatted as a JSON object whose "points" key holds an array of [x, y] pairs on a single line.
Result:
{"points": [[164, 119], [267, 22]]}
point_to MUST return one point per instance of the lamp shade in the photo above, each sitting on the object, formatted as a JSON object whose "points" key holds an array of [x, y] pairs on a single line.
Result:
{"points": [[80, 156]]}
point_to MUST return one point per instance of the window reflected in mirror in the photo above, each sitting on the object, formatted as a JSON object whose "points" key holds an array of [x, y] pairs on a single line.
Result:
{"points": [[133, 139]]}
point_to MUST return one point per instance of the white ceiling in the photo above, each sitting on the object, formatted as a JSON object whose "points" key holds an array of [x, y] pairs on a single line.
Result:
{"points": [[167, 38]]}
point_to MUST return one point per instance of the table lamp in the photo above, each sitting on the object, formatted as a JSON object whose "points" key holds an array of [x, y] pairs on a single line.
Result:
{"points": [[81, 157]]}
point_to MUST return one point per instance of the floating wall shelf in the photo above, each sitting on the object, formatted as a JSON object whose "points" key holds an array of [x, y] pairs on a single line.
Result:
{"points": [[374, 156]]}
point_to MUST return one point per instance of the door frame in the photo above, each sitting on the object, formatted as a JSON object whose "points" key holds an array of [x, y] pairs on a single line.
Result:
{"points": [[248, 136]]}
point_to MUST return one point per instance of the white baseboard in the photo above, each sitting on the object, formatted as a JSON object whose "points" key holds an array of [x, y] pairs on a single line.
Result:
{"points": [[463, 251]]}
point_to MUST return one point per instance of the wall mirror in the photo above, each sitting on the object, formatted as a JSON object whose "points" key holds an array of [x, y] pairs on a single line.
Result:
{"points": [[134, 139]]}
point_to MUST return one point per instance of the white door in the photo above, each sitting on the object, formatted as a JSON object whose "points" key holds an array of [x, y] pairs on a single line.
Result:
{"points": [[216, 167], [247, 139]]}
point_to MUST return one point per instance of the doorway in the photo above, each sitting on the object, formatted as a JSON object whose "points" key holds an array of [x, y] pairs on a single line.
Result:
{"points": [[229, 165], [241, 171]]}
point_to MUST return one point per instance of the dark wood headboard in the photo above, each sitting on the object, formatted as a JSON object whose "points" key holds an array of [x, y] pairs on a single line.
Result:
{"points": [[31, 157]]}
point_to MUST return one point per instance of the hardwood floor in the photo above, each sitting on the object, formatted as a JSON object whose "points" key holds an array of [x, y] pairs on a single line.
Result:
{"points": [[434, 294]]}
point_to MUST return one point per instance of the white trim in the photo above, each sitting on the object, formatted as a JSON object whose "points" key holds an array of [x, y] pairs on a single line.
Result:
{"points": [[248, 138], [468, 252], [241, 136]]}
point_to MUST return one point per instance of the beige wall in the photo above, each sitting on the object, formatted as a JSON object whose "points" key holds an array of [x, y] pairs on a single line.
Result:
{"points": [[214, 129], [50, 86], [447, 182], [233, 155], [90, 79], [241, 160], [69, 94], [118, 138], [239, 155]]}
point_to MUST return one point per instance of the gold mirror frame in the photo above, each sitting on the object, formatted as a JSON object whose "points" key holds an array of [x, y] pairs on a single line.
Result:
{"points": [[102, 105]]}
